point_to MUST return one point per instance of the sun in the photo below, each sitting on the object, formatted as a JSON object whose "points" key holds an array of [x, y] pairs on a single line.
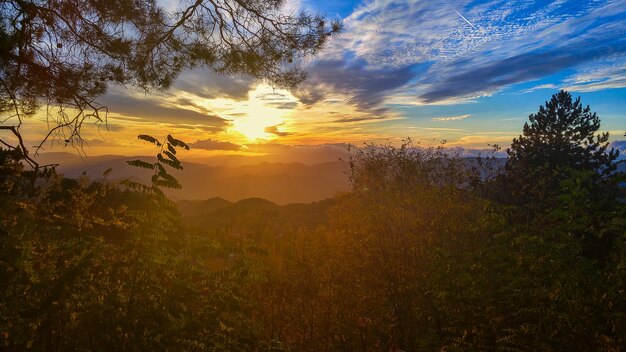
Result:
{"points": [[259, 112], [256, 118], [253, 125]]}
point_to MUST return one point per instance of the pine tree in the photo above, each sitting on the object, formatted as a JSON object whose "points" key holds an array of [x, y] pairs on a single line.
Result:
{"points": [[561, 175], [563, 134]]}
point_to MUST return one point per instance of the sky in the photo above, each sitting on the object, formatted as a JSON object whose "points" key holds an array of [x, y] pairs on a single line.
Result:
{"points": [[465, 72]]}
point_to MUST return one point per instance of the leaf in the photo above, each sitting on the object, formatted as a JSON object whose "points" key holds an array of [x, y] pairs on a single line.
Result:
{"points": [[177, 142], [150, 139], [172, 163], [168, 177], [171, 156], [161, 169], [140, 163], [168, 184]]}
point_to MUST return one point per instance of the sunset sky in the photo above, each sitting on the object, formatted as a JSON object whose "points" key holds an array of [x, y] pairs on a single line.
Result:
{"points": [[468, 72]]}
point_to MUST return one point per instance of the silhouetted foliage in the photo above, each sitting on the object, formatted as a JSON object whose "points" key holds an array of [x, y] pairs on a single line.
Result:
{"points": [[562, 175], [562, 137], [166, 157]]}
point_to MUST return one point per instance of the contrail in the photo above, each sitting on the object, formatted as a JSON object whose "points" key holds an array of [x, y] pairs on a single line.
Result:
{"points": [[468, 22]]}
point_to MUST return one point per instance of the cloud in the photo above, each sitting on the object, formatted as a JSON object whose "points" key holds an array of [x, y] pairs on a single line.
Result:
{"points": [[450, 118], [541, 86], [110, 127], [606, 75], [207, 84], [365, 88], [376, 115], [425, 53], [274, 130], [290, 105], [520, 68], [211, 144], [151, 110]]}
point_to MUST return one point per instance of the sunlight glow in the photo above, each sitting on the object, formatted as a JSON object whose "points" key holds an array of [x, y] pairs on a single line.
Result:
{"points": [[253, 127], [265, 108]]}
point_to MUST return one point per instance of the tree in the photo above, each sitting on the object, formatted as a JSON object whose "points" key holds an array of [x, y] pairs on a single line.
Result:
{"points": [[88, 265], [62, 54], [561, 139], [563, 133]]}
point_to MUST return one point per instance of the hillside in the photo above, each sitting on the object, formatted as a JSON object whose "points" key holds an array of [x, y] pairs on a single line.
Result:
{"points": [[253, 216], [281, 183]]}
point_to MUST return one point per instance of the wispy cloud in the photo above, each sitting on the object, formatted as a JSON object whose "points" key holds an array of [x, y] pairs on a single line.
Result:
{"points": [[541, 86], [451, 118], [454, 51]]}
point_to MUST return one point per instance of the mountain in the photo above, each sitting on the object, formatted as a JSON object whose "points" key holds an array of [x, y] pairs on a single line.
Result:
{"points": [[281, 183], [194, 208], [253, 216]]}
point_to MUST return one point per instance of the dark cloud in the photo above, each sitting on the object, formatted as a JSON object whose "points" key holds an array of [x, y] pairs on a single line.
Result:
{"points": [[150, 110], [212, 129], [283, 105], [366, 88], [519, 68], [111, 127], [274, 130], [208, 84], [211, 144], [372, 115], [189, 102], [273, 96], [96, 142]]}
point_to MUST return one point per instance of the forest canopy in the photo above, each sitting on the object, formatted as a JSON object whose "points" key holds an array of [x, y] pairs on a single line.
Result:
{"points": [[426, 251]]}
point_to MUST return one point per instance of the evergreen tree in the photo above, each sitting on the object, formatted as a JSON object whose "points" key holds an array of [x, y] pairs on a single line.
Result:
{"points": [[562, 138], [563, 133], [561, 177]]}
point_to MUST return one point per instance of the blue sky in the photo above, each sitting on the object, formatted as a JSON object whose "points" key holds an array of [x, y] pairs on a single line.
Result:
{"points": [[479, 67]]}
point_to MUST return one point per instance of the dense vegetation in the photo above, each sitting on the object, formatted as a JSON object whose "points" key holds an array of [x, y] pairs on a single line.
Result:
{"points": [[426, 252]]}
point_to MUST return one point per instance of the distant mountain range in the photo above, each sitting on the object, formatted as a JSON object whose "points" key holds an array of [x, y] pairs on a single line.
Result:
{"points": [[278, 182], [281, 183]]}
